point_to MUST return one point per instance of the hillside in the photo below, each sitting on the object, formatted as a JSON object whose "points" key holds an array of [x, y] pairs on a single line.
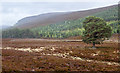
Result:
{"points": [[56, 17], [70, 26]]}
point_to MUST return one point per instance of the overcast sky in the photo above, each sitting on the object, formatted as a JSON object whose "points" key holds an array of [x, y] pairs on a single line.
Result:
{"points": [[12, 11]]}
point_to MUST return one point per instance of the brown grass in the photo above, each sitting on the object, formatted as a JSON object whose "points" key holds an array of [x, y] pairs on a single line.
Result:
{"points": [[36, 61]]}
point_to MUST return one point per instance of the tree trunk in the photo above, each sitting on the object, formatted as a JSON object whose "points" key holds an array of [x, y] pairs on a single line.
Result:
{"points": [[93, 45]]}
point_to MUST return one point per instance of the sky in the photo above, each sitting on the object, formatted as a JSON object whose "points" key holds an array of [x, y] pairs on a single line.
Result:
{"points": [[12, 10]]}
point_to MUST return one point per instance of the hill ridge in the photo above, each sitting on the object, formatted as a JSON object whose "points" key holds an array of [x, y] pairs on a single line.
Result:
{"points": [[56, 17]]}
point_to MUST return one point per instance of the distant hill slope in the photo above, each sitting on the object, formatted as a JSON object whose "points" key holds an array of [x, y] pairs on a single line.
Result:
{"points": [[56, 17], [61, 25]]}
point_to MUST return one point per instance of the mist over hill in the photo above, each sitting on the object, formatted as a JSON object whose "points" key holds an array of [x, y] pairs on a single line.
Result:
{"points": [[56, 17], [3, 27]]}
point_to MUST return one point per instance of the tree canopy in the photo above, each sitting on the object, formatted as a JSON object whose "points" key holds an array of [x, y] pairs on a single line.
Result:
{"points": [[96, 30]]}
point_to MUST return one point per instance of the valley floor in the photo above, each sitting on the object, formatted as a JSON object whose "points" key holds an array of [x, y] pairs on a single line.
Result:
{"points": [[58, 55]]}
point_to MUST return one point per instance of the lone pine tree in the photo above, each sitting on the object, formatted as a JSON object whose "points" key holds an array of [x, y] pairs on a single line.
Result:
{"points": [[96, 30]]}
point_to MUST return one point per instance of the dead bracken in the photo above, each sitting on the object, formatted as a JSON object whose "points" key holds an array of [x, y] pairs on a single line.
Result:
{"points": [[59, 56]]}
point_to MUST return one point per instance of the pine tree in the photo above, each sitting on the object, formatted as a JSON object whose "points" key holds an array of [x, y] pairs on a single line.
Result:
{"points": [[96, 30]]}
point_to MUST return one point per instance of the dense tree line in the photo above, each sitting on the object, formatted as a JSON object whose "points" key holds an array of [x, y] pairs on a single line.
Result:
{"points": [[115, 26], [17, 33], [27, 33]]}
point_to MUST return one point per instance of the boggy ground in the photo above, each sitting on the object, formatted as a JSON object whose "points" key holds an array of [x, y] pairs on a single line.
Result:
{"points": [[43, 55]]}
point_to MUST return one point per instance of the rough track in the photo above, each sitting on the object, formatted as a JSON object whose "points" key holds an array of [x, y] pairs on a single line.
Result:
{"points": [[62, 55]]}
